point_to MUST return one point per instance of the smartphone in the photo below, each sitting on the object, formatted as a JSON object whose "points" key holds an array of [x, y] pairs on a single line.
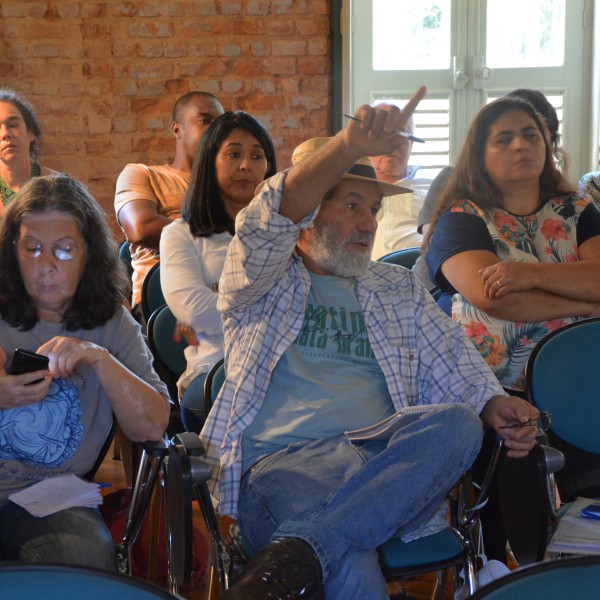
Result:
{"points": [[24, 361], [591, 511]]}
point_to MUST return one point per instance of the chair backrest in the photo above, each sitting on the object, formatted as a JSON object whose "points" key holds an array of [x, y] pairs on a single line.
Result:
{"points": [[108, 440], [406, 257], [550, 580], [125, 256], [563, 378], [31, 582], [169, 359], [212, 384], [152, 294]]}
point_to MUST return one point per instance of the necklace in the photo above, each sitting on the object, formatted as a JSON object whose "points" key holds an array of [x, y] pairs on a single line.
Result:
{"points": [[7, 194]]}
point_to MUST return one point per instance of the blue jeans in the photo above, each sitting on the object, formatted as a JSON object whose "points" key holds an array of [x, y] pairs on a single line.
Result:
{"points": [[192, 404], [346, 499], [75, 536]]}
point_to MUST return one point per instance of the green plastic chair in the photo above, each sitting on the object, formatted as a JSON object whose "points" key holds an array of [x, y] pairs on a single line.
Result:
{"points": [[32, 582], [577, 578], [406, 257], [152, 294], [562, 378], [125, 256], [169, 359]]}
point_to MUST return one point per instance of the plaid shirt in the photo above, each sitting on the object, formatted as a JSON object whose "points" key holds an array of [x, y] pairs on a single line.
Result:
{"points": [[424, 356]]}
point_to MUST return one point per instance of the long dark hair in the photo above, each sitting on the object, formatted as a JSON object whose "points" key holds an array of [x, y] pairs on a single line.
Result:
{"points": [[28, 114], [469, 178], [103, 283], [203, 208]]}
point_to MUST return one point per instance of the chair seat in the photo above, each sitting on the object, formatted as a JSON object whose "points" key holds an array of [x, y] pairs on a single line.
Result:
{"points": [[32, 582], [442, 548]]}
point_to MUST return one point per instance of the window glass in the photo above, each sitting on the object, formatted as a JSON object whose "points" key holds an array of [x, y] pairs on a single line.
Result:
{"points": [[535, 39], [410, 35]]}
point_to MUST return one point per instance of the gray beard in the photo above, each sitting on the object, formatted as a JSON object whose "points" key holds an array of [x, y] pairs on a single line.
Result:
{"points": [[332, 256]]}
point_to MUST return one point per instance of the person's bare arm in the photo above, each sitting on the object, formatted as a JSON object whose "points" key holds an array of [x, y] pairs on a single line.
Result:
{"points": [[142, 412], [376, 134], [142, 223], [577, 280], [463, 272]]}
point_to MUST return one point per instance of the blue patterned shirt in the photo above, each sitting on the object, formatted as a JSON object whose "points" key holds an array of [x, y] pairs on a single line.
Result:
{"points": [[424, 356]]}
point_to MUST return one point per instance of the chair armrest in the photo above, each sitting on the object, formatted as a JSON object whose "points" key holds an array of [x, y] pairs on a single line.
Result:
{"points": [[157, 449], [191, 442]]}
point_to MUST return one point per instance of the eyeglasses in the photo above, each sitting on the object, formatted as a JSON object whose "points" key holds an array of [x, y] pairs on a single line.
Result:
{"points": [[63, 251], [541, 423]]}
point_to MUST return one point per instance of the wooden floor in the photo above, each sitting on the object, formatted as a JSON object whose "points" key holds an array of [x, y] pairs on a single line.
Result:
{"points": [[112, 472]]}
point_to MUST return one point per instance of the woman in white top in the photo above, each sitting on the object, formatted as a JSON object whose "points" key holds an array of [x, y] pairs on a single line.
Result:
{"points": [[235, 154]]}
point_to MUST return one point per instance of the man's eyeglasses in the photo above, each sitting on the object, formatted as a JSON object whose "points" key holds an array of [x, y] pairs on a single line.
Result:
{"points": [[541, 423], [63, 251]]}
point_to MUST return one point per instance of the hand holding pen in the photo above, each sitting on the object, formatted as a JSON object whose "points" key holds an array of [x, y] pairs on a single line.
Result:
{"points": [[408, 136]]}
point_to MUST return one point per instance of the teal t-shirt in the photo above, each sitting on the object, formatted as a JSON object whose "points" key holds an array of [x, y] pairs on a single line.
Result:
{"points": [[327, 382]]}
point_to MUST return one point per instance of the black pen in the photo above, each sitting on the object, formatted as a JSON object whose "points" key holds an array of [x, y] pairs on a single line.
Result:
{"points": [[408, 136]]}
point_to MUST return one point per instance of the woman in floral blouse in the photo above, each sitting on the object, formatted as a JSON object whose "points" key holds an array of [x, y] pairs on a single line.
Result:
{"points": [[514, 249]]}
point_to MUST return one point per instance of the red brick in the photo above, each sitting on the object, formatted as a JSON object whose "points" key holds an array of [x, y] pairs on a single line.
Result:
{"points": [[176, 87], [176, 49], [36, 10], [8, 69], [151, 70], [280, 27], [71, 88], [282, 7], [148, 106], [177, 9], [258, 7], [149, 9], [230, 7], [229, 49], [312, 66], [68, 10], [150, 30], [249, 27], [236, 86], [281, 66], [16, 49], [312, 26], [13, 9], [260, 48], [205, 8], [124, 9], [151, 87], [204, 48], [93, 10]]}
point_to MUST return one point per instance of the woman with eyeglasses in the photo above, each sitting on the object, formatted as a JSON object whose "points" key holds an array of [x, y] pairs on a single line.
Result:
{"points": [[61, 296], [20, 133]]}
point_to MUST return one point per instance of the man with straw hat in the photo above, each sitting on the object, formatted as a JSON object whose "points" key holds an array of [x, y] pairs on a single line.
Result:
{"points": [[320, 342]]}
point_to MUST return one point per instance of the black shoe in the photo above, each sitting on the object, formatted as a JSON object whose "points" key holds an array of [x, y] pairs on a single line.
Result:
{"points": [[285, 569]]}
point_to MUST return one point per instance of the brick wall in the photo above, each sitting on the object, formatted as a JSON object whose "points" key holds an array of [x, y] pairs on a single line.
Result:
{"points": [[103, 76]]}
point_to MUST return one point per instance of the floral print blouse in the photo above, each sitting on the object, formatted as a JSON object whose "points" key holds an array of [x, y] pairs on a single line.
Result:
{"points": [[549, 235]]}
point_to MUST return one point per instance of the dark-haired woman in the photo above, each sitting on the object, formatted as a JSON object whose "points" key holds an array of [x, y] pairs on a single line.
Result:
{"points": [[515, 251], [61, 296], [236, 153], [19, 138]]}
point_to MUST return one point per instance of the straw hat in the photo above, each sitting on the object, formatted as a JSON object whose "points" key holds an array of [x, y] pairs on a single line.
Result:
{"points": [[361, 169]]}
